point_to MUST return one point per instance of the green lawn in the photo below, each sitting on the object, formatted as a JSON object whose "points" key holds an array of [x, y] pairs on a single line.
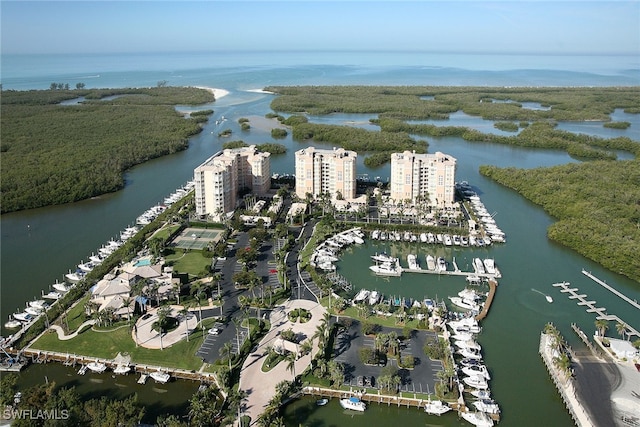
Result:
{"points": [[106, 345], [166, 231], [190, 262], [76, 315]]}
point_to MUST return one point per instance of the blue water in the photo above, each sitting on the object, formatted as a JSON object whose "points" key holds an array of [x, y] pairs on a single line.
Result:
{"points": [[250, 70]]}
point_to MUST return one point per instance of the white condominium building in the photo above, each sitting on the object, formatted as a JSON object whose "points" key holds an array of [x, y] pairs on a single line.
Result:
{"points": [[321, 171], [219, 179], [426, 175]]}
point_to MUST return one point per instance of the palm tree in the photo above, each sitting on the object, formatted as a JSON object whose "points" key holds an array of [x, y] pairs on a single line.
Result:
{"points": [[306, 347], [336, 372], [621, 328], [602, 325], [290, 358], [160, 325], [225, 351], [127, 303], [184, 311]]}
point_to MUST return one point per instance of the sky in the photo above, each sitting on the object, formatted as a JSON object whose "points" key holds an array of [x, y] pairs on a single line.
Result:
{"points": [[537, 27]]}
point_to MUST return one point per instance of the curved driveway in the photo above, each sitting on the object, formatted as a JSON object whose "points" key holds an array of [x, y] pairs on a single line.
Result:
{"points": [[261, 386]]}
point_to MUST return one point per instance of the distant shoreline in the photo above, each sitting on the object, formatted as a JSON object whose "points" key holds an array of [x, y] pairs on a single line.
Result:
{"points": [[217, 92]]}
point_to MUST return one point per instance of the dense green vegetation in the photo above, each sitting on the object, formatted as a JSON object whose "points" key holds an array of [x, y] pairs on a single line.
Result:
{"points": [[506, 126], [596, 204], [53, 154], [433, 102], [617, 125], [356, 139]]}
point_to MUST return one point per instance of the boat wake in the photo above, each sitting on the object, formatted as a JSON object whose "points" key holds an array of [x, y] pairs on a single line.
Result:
{"points": [[548, 297]]}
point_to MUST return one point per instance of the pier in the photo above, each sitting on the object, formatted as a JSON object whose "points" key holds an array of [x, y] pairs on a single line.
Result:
{"points": [[601, 312], [493, 285], [610, 289]]}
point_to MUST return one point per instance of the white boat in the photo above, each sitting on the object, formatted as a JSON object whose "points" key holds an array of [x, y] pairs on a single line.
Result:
{"points": [[61, 287], [32, 311], [479, 266], [464, 241], [122, 369], [322, 402], [431, 262], [412, 260], [74, 277], [481, 394], [86, 266], [375, 234], [362, 295], [487, 405], [441, 264], [447, 240], [23, 317], [12, 323], [476, 381], [386, 269], [456, 240], [478, 419], [477, 370], [470, 362], [474, 280], [464, 303], [39, 304], [96, 259], [326, 266], [439, 238], [469, 294], [470, 344], [353, 403], [159, 376], [549, 299], [490, 265], [436, 407], [431, 238], [382, 257], [374, 297], [52, 295], [97, 367], [423, 238], [462, 336], [469, 353], [468, 324]]}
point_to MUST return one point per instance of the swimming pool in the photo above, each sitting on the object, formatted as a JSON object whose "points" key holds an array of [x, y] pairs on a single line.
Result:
{"points": [[142, 263]]}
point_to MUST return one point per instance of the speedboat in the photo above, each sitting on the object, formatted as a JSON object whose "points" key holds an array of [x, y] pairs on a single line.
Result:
{"points": [[487, 405], [97, 367], [431, 262], [462, 336], [23, 317], [447, 240], [353, 403], [75, 277], [61, 287], [322, 402], [478, 419], [477, 370], [489, 266], [476, 381], [436, 407], [470, 362], [12, 323], [38, 304], [479, 266], [441, 265], [86, 266], [159, 376], [32, 311], [412, 260]]}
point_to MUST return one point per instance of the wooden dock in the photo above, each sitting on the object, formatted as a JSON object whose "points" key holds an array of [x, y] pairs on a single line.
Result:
{"points": [[38, 356], [493, 285]]}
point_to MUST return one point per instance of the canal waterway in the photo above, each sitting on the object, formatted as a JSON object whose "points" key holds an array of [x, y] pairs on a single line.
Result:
{"points": [[39, 246]]}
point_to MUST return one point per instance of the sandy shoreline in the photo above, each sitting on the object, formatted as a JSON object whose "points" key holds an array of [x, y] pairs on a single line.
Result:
{"points": [[218, 93]]}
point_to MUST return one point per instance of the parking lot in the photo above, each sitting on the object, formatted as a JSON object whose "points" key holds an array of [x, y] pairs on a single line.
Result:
{"points": [[422, 378]]}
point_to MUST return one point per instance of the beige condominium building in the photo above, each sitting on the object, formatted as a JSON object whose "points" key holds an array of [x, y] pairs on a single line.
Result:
{"points": [[321, 171], [220, 178], [426, 175]]}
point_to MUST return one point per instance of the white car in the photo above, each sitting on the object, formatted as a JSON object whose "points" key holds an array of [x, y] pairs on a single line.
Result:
{"points": [[214, 331]]}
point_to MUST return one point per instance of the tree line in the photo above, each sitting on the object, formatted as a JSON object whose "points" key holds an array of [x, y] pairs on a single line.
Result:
{"points": [[54, 154]]}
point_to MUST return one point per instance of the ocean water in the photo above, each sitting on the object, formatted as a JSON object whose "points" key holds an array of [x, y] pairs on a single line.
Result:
{"points": [[251, 70]]}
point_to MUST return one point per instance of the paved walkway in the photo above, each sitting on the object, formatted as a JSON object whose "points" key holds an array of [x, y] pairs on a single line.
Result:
{"points": [[261, 386], [145, 336], [63, 337]]}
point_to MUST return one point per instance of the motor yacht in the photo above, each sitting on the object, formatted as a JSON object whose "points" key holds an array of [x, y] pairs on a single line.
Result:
{"points": [[436, 407], [353, 403]]}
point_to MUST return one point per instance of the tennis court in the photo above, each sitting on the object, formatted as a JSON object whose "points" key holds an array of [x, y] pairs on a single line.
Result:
{"points": [[196, 238]]}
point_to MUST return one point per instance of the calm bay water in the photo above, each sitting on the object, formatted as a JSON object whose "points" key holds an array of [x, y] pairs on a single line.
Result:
{"points": [[39, 246]]}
